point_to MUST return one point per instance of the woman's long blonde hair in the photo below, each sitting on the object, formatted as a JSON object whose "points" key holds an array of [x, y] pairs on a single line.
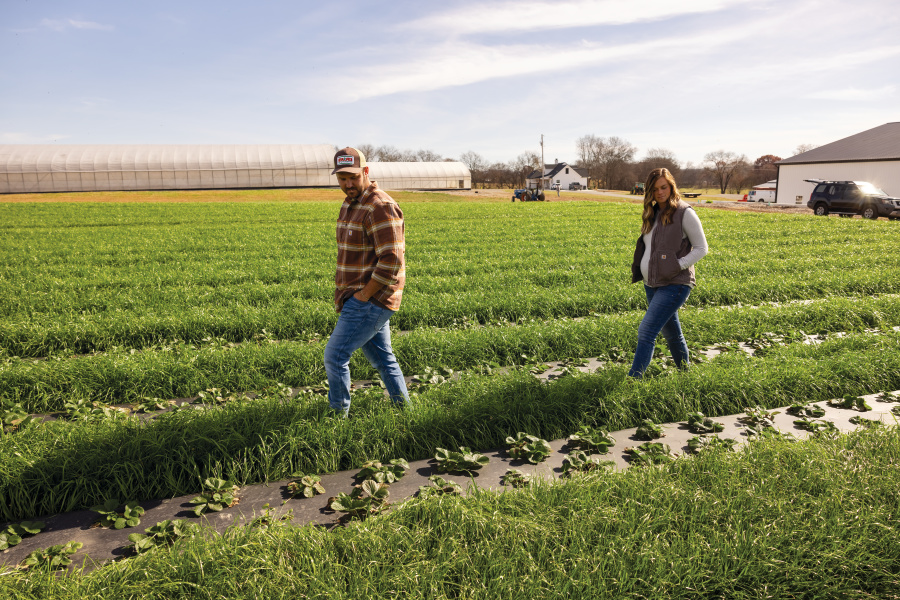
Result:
{"points": [[649, 201]]}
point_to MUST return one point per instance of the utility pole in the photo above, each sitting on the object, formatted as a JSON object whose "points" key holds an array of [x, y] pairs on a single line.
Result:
{"points": [[542, 161]]}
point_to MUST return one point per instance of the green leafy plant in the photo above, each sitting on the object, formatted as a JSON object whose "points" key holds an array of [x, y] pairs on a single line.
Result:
{"points": [[307, 486], [763, 433], [367, 499], [161, 534], [759, 417], [82, 410], [699, 443], [15, 418], [152, 405], [381, 473], [14, 532], [856, 402], [700, 423], [528, 447], [816, 425], [218, 495], [464, 461], [887, 397], [440, 487], [579, 461], [268, 519], [217, 397], [431, 375], [864, 422], [896, 410], [516, 478], [591, 440], [54, 557], [806, 410], [648, 430], [651, 453], [111, 517]]}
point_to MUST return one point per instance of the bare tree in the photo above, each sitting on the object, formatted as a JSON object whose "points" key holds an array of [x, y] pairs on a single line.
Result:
{"points": [[589, 148], [428, 156], [615, 161], [659, 158], [722, 167], [523, 166], [476, 164], [368, 151], [805, 148]]}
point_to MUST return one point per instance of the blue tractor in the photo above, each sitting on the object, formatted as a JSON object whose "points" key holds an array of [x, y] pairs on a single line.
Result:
{"points": [[527, 195]]}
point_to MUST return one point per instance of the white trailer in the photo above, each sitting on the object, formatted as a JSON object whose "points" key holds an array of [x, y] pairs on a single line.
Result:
{"points": [[764, 192]]}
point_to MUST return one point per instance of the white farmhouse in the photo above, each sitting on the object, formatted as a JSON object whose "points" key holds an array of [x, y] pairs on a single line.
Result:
{"points": [[873, 156], [558, 173]]}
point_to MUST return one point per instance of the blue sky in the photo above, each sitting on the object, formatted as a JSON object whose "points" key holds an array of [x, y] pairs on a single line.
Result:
{"points": [[755, 77]]}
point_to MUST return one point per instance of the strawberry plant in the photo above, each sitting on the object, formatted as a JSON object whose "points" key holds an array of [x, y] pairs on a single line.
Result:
{"points": [[307, 486], [756, 434], [217, 397], [389, 473], [433, 376], [268, 519], [440, 487], [806, 410], [13, 534], [464, 461], [817, 426], [82, 410], [700, 423], [759, 418], [651, 453], [152, 405], [111, 517], [54, 557], [699, 443], [591, 440], [161, 534], [854, 402], [887, 397], [14, 418], [864, 422], [649, 430], [368, 498], [528, 447], [579, 461], [516, 478], [218, 495], [896, 410]]}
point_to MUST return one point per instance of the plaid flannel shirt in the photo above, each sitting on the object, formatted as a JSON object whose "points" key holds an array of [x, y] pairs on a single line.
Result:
{"points": [[371, 245]]}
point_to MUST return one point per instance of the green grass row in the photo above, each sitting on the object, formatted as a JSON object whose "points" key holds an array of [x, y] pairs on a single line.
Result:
{"points": [[810, 519], [180, 370], [79, 278], [60, 466]]}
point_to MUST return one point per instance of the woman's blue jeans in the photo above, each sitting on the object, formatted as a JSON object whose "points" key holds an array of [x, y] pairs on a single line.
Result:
{"points": [[662, 317], [362, 325]]}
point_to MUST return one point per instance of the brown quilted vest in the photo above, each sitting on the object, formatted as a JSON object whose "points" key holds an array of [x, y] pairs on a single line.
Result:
{"points": [[668, 246]]}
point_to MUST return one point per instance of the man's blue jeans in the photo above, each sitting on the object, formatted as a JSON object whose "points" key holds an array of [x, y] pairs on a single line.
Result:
{"points": [[361, 325], [662, 317]]}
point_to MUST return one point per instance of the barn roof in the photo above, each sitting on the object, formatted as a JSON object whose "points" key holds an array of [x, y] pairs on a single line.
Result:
{"points": [[876, 144]]}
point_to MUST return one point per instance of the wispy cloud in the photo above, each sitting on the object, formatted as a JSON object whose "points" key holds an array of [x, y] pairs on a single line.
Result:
{"points": [[63, 24], [529, 16], [855, 94], [18, 137]]}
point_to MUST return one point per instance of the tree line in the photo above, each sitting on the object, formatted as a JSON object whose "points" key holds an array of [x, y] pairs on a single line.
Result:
{"points": [[611, 163]]}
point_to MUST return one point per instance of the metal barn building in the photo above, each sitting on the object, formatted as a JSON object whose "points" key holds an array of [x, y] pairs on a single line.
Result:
{"points": [[873, 156], [89, 168], [421, 175]]}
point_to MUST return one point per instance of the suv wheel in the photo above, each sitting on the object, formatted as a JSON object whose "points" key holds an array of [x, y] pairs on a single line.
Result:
{"points": [[869, 212], [820, 210]]}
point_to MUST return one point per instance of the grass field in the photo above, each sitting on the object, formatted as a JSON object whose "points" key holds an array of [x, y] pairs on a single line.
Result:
{"points": [[164, 295]]}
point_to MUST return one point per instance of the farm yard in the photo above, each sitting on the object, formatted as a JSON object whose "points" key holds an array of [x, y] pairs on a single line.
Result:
{"points": [[121, 303]]}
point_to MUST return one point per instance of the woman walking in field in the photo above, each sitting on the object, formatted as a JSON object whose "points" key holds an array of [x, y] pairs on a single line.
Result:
{"points": [[671, 242]]}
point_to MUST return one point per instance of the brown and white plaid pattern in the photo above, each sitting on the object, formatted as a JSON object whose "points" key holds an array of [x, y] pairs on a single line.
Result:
{"points": [[371, 245]]}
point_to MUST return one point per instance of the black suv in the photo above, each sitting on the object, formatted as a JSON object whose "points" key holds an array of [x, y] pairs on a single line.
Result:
{"points": [[848, 198]]}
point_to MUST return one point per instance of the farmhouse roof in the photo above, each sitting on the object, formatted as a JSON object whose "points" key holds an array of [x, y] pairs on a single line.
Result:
{"points": [[878, 143], [551, 170]]}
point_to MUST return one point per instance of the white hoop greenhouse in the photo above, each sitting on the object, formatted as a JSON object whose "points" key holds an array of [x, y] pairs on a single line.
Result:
{"points": [[85, 168], [421, 175]]}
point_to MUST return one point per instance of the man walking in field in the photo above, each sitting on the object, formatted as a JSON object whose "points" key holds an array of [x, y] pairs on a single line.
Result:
{"points": [[371, 273]]}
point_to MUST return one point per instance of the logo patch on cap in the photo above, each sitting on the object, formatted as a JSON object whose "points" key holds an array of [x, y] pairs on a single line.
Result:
{"points": [[344, 160]]}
